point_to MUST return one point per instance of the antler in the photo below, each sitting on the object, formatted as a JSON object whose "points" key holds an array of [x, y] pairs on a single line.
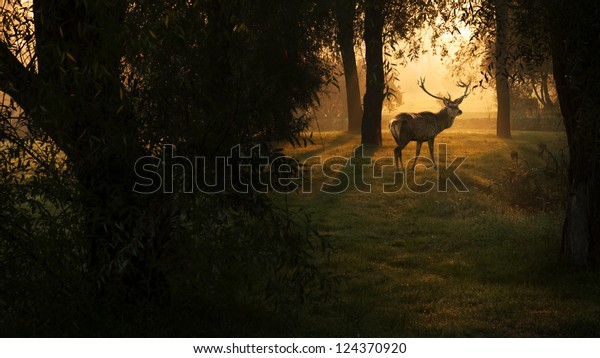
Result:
{"points": [[467, 91], [421, 84]]}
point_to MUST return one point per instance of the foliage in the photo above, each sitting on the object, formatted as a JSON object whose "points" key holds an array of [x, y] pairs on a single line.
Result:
{"points": [[528, 58], [259, 75], [80, 253], [331, 110], [534, 188], [40, 256]]}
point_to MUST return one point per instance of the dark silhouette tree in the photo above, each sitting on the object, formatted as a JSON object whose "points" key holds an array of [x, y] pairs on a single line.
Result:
{"points": [[533, 57], [345, 11], [575, 52], [109, 83], [501, 71], [386, 24], [543, 94], [491, 42], [374, 95]]}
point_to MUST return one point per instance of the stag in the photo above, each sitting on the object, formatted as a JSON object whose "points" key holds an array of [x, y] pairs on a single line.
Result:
{"points": [[425, 126]]}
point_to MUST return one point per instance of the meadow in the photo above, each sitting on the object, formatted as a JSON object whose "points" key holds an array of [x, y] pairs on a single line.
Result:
{"points": [[480, 262], [483, 262]]}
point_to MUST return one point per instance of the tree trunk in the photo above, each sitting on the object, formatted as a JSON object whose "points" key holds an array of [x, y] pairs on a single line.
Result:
{"points": [[76, 97], [69, 40], [575, 53], [345, 12], [547, 103], [502, 85], [539, 95], [373, 99]]}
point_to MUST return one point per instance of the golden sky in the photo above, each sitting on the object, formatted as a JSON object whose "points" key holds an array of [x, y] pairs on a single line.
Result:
{"points": [[439, 80]]}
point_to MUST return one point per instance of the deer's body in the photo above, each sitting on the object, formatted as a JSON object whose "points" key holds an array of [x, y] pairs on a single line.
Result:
{"points": [[423, 126], [420, 126]]}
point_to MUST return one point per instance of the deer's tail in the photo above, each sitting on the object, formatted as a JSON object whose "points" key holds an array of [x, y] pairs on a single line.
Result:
{"points": [[395, 126]]}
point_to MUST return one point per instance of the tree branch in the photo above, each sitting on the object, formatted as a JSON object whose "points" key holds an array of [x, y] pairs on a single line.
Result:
{"points": [[537, 94], [15, 79]]}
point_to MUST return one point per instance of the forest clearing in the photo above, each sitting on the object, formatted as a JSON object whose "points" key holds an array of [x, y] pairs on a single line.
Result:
{"points": [[480, 263], [225, 168]]}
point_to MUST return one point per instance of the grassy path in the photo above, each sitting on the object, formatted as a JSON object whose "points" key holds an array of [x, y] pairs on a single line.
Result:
{"points": [[473, 263]]}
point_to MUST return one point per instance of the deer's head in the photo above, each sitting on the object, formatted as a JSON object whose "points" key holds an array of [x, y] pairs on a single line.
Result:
{"points": [[450, 104]]}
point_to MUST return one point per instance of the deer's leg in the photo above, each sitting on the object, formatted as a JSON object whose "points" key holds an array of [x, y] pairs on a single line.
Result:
{"points": [[430, 142], [398, 153], [419, 144]]}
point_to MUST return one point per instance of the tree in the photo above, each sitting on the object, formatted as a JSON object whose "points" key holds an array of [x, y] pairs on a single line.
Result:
{"points": [[373, 99], [532, 65], [110, 82], [543, 94], [568, 33], [575, 52], [386, 25], [345, 11], [491, 43], [501, 73], [76, 98]]}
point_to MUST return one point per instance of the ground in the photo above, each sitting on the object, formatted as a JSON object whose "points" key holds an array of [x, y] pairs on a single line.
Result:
{"points": [[485, 262]]}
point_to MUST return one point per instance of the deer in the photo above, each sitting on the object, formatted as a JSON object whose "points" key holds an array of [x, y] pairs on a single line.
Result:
{"points": [[425, 126]]}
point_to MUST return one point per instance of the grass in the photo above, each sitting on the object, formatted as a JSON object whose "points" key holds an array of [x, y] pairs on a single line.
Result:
{"points": [[484, 262], [466, 264]]}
